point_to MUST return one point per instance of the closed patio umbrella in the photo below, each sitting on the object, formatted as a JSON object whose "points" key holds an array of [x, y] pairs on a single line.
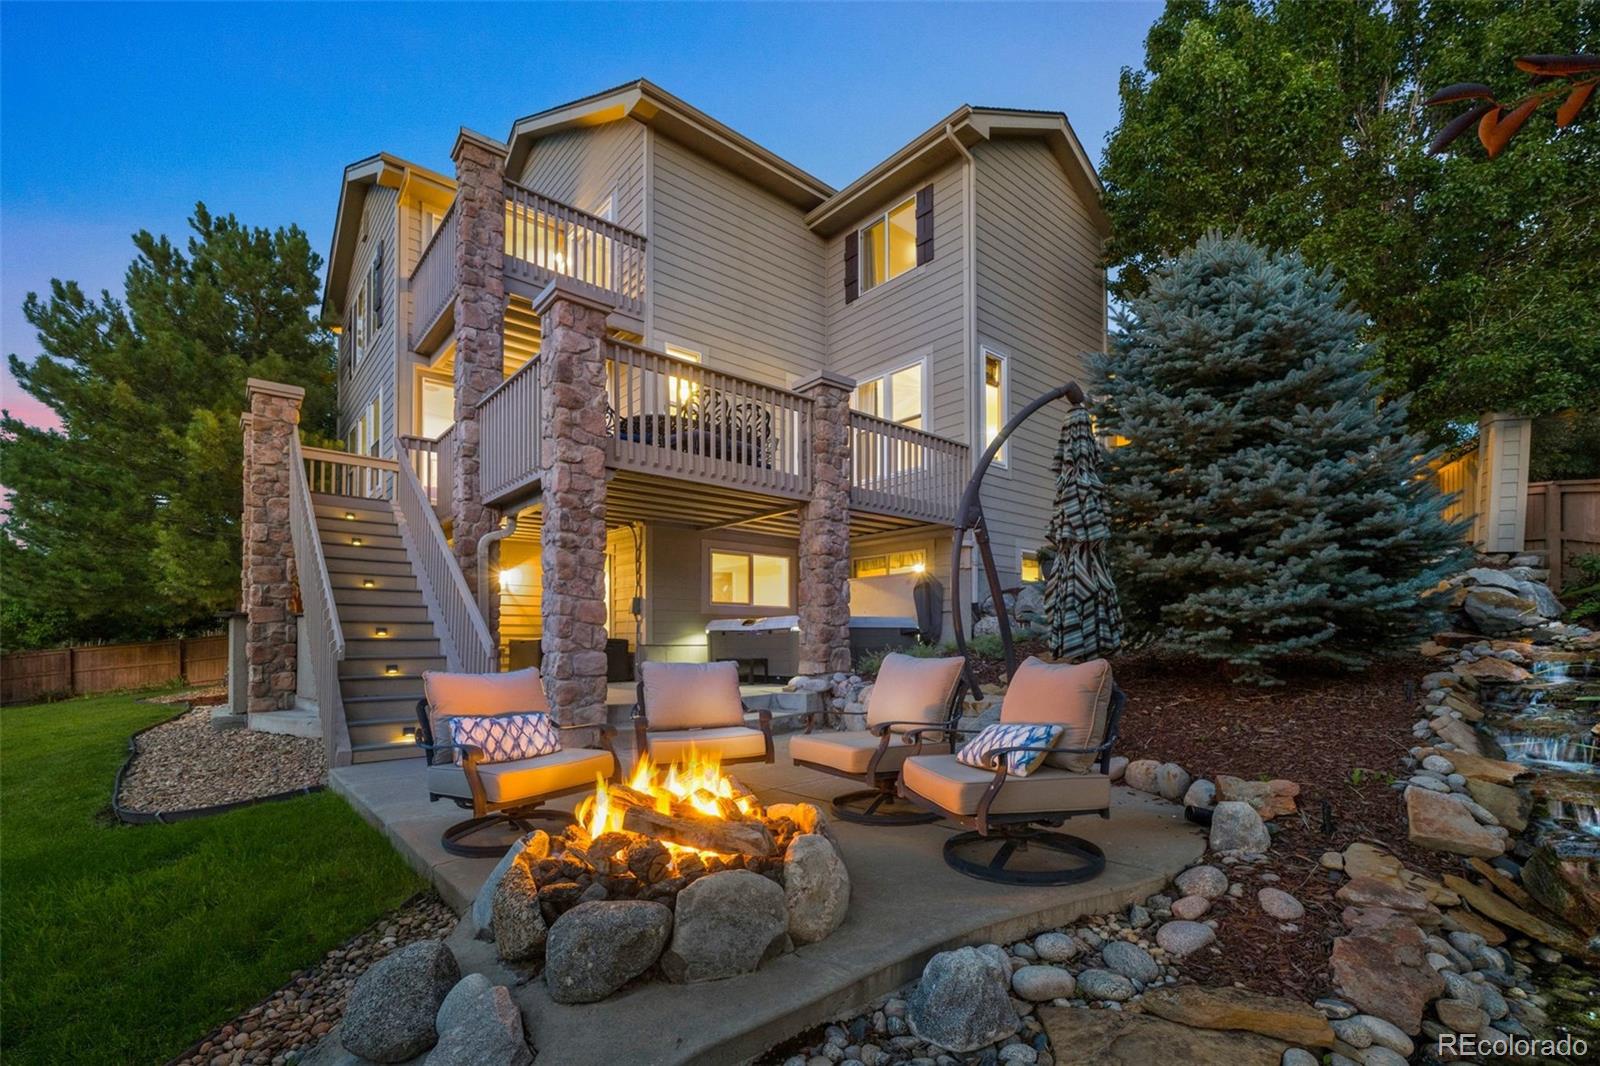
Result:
{"points": [[1080, 598]]}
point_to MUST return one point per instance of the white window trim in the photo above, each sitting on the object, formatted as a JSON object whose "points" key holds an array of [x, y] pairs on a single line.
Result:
{"points": [[862, 292], [606, 207], [746, 609], [361, 325], [1002, 460], [883, 378]]}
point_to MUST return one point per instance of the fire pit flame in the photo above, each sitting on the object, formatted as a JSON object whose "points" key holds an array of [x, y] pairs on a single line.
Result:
{"points": [[693, 788]]}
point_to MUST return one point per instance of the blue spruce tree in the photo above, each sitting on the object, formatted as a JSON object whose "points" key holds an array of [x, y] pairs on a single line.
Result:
{"points": [[1268, 503]]}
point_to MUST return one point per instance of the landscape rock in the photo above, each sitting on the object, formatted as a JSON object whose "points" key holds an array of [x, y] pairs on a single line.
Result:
{"points": [[1096, 984], [1458, 733], [1082, 1037], [1205, 881], [1130, 960], [462, 1000], [1280, 905], [1440, 823], [1563, 875], [1382, 968], [1117, 768], [1235, 826], [1202, 793], [517, 919], [599, 946], [1190, 908], [1498, 611], [963, 1000], [1509, 806], [1172, 781], [1181, 938], [1235, 1008], [482, 1026], [1141, 774], [727, 923], [1056, 947], [816, 887], [1368, 892], [537, 845], [1269, 798], [1460, 1016], [392, 1008], [1040, 984]]}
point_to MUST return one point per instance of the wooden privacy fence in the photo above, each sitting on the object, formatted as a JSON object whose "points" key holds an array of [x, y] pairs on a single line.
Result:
{"points": [[91, 668], [1564, 522]]}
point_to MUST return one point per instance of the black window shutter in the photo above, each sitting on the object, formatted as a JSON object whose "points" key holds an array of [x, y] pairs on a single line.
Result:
{"points": [[852, 266], [924, 225], [378, 279]]}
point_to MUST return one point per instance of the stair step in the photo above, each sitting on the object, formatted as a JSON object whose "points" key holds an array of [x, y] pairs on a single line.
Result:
{"points": [[380, 582], [397, 687], [332, 550], [381, 708], [360, 753], [356, 629], [323, 503], [335, 527], [359, 562], [377, 598], [370, 647], [378, 666], [380, 614], [370, 541]]}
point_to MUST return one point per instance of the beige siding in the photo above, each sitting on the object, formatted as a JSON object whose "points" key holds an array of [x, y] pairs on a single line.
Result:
{"points": [[582, 167], [1040, 303], [378, 374], [621, 558], [520, 595], [675, 588], [919, 315], [733, 270]]}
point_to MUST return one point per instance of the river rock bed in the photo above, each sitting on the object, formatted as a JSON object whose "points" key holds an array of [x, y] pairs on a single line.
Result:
{"points": [[185, 764]]}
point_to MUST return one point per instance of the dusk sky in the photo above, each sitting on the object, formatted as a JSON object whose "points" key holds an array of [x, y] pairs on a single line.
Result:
{"points": [[119, 117]]}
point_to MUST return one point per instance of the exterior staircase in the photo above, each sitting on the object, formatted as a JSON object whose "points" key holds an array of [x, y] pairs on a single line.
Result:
{"points": [[389, 636]]}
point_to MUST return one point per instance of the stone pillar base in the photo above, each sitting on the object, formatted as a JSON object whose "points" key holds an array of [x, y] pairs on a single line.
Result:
{"points": [[825, 530], [267, 576]]}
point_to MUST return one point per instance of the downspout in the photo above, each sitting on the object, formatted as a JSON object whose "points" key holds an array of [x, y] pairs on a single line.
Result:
{"points": [[485, 542], [969, 296]]}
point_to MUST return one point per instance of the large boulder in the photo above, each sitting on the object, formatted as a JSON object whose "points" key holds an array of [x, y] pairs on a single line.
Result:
{"points": [[1236, 1008], [1141, 774], [1130, 960], [1381, 966], [1122, 1038], [1442, 824], [393, 1006], [963, 1000], [1269, 798], [727, 924], [1235, 826], [479, 1023], [515, 915], [816, 887], [1172, 781], [536, 845], [1509, 806], [1205, 881], [1564, 875], [1498, 611], [597, 947]]}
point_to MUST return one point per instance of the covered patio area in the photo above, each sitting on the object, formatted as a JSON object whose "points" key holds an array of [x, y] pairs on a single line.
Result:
{"points": [[905, 905]]}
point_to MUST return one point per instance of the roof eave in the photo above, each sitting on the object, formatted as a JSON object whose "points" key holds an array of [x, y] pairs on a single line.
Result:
{"points": [[381, 169]]}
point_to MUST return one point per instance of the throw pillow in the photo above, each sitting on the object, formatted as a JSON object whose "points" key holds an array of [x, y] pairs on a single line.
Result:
{"points": [[506, 737], [977, 751]]}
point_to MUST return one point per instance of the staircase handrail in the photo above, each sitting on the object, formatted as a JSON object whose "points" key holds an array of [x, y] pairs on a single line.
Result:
{"points": [[319, 611]]}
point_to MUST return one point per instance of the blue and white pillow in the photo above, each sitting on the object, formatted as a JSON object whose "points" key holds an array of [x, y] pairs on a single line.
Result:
{"points": [[506, 737], [977, 751]]}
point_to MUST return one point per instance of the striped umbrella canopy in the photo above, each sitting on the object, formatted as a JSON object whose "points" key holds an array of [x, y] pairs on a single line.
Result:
{"points": [[1080, 598]]}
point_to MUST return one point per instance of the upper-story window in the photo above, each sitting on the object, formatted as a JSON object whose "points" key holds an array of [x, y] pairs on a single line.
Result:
{"points": [[360, 324], [681, 390], [893, 243], [899, 396], [996, 389]]}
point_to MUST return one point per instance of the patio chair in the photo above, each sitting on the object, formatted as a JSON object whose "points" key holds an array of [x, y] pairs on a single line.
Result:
{"points": [[1007, 813], [696, 705], [499, 793], [911, 694]]}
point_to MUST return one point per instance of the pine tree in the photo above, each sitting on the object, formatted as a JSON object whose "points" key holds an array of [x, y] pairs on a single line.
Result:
{"points": [[125, 520], [1268, 502]]}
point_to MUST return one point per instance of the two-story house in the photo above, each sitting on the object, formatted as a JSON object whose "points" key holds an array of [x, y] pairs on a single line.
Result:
{"points": [[650, 375]]}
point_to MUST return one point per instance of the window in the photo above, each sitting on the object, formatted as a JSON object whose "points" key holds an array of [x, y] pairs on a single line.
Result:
{"points": [[430, 225], [438, 406], [914, 561], [1030, 567], [889, 244], [680, 390], [994, 400], [750, 579], [897, 396], [372, 426], [361, 325]]}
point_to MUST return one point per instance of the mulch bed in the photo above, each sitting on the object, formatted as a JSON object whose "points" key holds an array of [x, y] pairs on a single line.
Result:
{"points": [[1319, 729]]}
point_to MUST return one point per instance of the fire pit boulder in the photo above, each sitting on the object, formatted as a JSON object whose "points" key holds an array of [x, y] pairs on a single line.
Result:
{"points": [[727, 924], [816, 887], [597, 947]]}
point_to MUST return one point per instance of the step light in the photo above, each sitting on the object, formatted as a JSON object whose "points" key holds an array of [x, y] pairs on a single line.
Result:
{"points": [[381, 631], [391, 669], [355, 542], [350, 516], [368, 583], [410, 734]]}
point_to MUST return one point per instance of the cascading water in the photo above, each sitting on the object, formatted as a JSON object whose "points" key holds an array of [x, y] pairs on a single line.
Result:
{"points": [[1549, 724]]}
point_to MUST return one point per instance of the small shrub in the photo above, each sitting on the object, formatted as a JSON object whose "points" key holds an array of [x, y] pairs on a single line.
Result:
{"points": [[1585, 598]]}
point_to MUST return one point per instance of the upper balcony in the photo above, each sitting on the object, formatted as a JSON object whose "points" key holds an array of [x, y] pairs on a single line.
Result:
{"points": [[695, 445], [544, 240]]}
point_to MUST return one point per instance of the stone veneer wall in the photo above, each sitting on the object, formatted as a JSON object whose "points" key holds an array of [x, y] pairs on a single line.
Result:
{"points": [[572, 398], [480, 335], [267, 573], [824, 553]]}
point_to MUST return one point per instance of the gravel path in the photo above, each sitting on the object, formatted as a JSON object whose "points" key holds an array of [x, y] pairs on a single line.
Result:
{"points": [[301, 1012], [184, 764]]}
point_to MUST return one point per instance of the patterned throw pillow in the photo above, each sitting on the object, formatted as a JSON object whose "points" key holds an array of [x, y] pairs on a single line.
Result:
{"points": [[506, 737], [976, 751]]}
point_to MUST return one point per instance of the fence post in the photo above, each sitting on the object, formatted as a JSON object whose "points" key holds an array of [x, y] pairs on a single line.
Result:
{"points": [[1552, 533], [72, 671]]}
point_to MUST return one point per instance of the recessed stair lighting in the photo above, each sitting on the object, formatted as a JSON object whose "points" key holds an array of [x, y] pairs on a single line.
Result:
{"points": [[350, 516], [355, 542], [381, 631], [391, 669], [368, 583]]}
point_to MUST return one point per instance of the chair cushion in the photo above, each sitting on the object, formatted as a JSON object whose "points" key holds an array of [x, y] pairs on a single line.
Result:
{"points": [[525, 779], [851, 752], [730, 742], [978, 751], [1077, 695], [691, 695], [957, 787], [506, 737], [469, 695], [912, 689]]}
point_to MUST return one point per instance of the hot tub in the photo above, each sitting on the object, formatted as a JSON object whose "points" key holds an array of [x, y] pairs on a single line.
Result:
{"points": [[769, 648]]}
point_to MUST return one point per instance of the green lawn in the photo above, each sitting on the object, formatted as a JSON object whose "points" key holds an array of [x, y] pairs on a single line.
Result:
{"points": [[124, 944]]}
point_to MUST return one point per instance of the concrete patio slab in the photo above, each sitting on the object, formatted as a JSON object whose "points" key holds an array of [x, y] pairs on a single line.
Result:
{"points": [[905, 905]]}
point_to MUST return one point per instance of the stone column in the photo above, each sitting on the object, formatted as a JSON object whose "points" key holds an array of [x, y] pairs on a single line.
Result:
{"points": [[267, 572], [480, 332], [1503, 449], [825, 530], [572, 536]]}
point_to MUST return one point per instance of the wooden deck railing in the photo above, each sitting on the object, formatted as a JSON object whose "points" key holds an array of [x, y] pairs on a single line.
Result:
{"points": [[320, 614], [546, 239], [433, 460], [509, 433], [898, 470], [681, 419], [346, 474], [433, 282]]}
